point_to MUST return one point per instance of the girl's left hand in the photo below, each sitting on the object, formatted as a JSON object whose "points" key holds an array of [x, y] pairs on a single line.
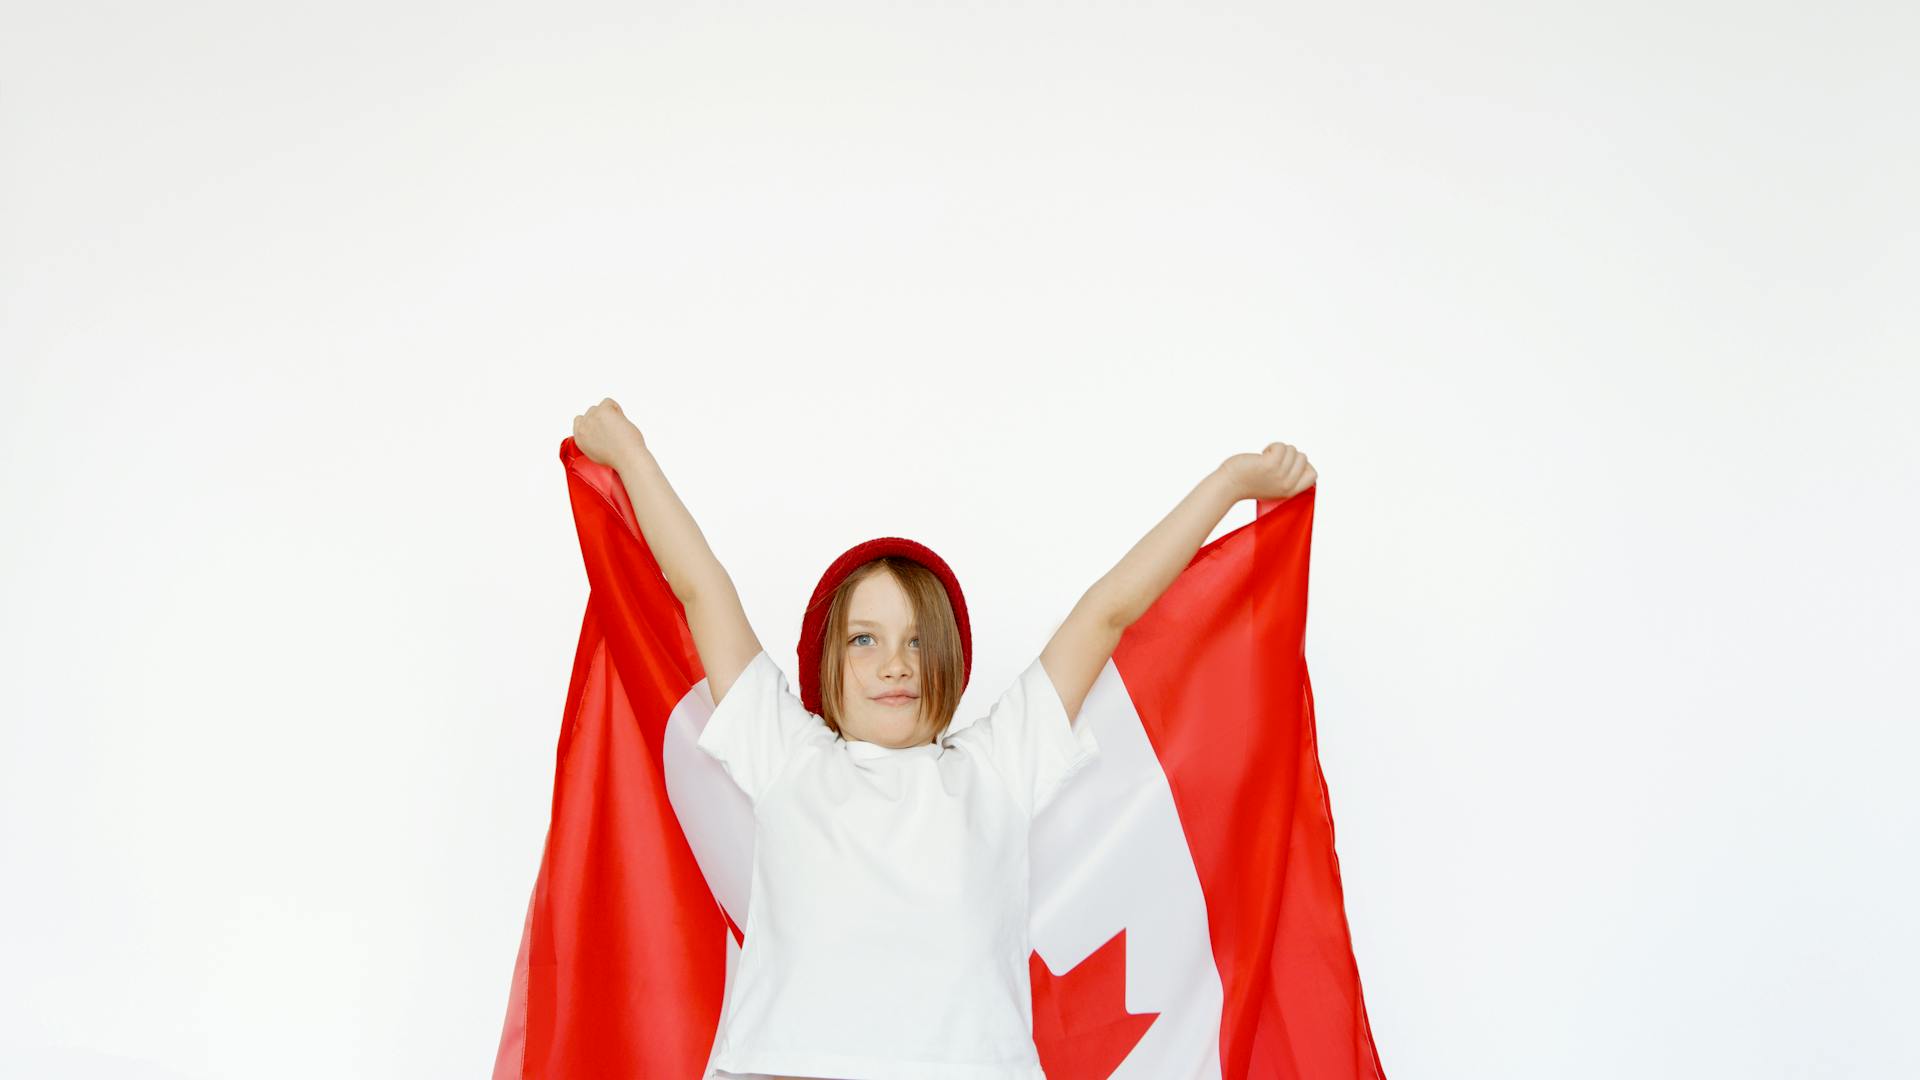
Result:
{"points": [[1278, 472]]}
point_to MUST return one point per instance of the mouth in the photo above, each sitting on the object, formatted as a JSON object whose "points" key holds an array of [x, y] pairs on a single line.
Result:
{"points": [[897, 699]]}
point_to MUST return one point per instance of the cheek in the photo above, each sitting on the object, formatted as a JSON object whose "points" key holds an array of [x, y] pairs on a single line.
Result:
{"points": [[850, 692]]}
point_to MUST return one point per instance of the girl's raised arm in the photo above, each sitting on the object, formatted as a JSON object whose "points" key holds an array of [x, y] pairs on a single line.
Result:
{"points": [[721, 634], [1079, 650]]}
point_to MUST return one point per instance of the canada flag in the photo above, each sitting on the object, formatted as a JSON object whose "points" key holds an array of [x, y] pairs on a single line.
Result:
{"points": [[1186, 911]]}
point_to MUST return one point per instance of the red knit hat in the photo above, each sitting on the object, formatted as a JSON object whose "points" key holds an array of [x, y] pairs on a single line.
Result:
{"points": [[813, 626]]}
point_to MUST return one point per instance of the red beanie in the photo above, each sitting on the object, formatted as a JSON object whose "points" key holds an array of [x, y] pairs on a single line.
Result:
{"points": [[813, 626]]}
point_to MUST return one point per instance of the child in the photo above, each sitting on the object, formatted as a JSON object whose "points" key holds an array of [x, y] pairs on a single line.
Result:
{"points": [[886, 931]]}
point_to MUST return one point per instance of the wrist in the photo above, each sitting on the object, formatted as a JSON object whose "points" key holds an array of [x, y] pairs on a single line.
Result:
{"points": [[638, 458], [1226, 482]]}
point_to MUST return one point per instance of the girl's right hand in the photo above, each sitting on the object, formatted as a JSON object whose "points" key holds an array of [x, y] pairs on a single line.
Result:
{"points": [[1278, 472], [605, 435]]}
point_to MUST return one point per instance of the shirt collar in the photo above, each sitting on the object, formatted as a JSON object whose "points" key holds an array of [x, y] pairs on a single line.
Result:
{"points": [[861, 750]]}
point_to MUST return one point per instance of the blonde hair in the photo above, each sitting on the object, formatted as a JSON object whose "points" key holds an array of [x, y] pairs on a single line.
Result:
{"points": [[942, 665]]}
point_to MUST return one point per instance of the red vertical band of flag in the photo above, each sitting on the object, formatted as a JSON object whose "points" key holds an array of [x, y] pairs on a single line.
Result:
{"points": [[623, 958], [1216, 670]]}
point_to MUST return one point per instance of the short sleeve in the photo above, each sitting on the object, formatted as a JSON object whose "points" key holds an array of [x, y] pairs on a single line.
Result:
{"points": [[759, 727], [1031, 742]]}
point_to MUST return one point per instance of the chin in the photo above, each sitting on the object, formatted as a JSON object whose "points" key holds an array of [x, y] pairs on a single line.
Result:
{"points": [[889, 734]]}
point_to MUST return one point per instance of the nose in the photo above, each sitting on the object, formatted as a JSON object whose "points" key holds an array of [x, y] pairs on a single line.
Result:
{"points": [[897, 665]]}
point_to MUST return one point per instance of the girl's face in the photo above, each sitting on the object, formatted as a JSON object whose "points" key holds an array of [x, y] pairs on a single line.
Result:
{"points": [[880, 681]]}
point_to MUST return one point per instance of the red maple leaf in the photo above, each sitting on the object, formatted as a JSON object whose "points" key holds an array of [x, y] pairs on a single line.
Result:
{"points": [[1081, 1025]]}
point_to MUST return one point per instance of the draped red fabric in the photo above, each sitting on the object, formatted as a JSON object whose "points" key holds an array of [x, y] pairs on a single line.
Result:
{"points": [[623, 957], [1217, 672]]}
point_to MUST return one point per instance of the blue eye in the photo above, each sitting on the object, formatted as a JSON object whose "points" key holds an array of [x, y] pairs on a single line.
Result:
{"points": [[856, 638]]}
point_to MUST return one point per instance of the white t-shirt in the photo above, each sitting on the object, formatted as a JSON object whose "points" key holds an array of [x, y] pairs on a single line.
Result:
{"points": [[886, 930]]}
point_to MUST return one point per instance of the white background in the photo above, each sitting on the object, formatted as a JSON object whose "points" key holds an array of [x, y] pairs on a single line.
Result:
{"points": [[1598, 322]]}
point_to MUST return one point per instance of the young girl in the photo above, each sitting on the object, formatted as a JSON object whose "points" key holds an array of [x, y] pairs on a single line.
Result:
{"points": [[886, 931]]}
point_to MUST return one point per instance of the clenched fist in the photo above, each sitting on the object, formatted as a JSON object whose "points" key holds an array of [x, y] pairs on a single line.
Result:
{"points": [[1278, 472], [605, 435]]}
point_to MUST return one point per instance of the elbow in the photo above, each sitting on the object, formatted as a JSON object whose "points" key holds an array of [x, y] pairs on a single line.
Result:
{"points": [[691, 588], [1102, 606]]}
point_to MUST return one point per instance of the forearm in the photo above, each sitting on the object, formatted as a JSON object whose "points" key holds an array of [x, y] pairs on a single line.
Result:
{"points": [[1138, 579], [671, 533]]}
